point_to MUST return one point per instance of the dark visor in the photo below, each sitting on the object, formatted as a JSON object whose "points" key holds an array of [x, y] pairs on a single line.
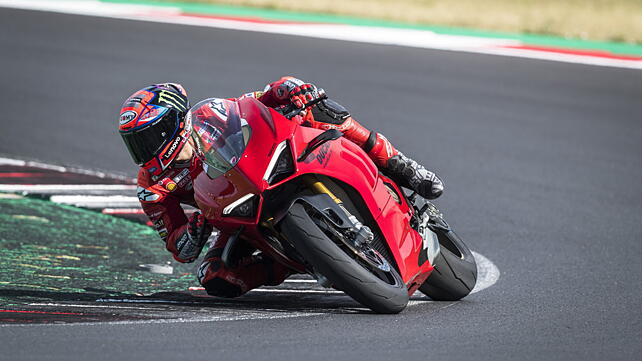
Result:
{"points": [[144, 144]]}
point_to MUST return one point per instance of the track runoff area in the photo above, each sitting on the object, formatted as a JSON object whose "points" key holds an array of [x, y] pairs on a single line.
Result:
{"points": [[553, 49]]}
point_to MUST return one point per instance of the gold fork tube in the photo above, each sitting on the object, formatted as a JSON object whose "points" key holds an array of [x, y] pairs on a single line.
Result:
{"points": [[319, 187]]}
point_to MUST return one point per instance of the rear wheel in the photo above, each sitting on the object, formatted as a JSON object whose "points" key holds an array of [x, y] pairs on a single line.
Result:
{"points": [[455, 272], [383, 291]]}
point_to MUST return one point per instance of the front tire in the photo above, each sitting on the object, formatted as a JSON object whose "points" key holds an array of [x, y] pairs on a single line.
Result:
{"points": [[342, 270], [455, 272]]}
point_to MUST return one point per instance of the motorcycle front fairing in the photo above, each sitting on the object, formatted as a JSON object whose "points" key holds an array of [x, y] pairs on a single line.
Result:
{"points": [[273, 134]]}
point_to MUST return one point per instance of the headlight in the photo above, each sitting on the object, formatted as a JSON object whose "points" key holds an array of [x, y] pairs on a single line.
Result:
{"points": [[242, 207], [281, 165]]}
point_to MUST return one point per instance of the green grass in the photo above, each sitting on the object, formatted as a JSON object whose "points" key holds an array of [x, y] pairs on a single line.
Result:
{"points": [[53, 248]]}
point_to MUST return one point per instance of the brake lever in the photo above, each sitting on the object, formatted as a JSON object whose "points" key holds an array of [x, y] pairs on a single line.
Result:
{"points": [[310, 104]]}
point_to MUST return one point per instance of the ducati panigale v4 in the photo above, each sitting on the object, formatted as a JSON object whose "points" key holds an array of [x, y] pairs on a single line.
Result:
{"points": [[315, 202]]}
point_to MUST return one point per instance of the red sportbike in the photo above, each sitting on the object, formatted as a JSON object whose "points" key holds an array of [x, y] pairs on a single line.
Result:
{"points": [[316, 203]]}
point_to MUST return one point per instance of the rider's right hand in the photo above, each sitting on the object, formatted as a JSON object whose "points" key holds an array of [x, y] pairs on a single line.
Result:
{"points": [[190, 245]]}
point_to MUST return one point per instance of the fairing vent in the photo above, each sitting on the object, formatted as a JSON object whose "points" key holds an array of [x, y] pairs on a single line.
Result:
{"points": [[284, 166]]}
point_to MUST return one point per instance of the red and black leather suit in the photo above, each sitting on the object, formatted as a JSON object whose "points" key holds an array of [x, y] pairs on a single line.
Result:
{"points": [[161, 198]]}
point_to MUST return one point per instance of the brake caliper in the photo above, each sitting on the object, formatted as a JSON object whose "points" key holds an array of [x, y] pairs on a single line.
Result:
{"points": [[359, 233]]}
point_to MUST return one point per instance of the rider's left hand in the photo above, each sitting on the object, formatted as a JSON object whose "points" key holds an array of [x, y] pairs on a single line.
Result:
{"points": [[289, 90]]}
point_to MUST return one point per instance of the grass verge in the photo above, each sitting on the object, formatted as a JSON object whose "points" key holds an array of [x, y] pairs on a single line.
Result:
{"points": [[598, 20], [52, 248]]}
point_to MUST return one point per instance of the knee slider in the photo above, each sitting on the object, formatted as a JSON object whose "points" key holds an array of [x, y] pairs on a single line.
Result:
{"points": [[329, 111]]}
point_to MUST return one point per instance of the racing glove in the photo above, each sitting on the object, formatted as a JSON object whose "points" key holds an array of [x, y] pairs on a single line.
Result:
{"points": [[289, 90], [190, 245], [301, 93]]}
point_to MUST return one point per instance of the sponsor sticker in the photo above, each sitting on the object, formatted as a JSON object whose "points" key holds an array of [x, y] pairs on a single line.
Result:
{"points": [[173, 147], [146, 195], [182, 241], [219, 108], [171, 99], [127, 117], [159, 224], [163, 233], [181, 175]]}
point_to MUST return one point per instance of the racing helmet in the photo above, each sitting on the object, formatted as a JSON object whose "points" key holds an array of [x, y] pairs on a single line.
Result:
{"points": [[154, 127]]}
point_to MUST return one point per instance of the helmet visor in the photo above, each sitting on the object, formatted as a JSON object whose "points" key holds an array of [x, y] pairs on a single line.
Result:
{"points": [[145, 143]]}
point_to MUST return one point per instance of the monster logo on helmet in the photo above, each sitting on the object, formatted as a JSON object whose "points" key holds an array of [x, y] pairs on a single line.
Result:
{"points": [[172, 99]]}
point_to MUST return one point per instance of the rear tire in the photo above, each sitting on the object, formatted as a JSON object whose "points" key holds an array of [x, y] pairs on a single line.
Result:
{"points": [[455, 272], [343, 271]]}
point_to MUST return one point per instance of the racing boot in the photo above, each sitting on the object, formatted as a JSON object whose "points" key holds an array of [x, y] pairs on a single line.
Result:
{"points": [[410, 174]]}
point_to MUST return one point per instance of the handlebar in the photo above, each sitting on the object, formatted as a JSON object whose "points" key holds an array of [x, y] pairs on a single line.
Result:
{"points": [[309, 104]]}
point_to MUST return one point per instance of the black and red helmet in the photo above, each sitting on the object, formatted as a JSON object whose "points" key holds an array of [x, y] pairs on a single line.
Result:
{"points": [[153, 125]]}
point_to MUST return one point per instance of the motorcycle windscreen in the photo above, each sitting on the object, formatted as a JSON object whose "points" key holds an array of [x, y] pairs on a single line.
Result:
{"points": [[219, 133]]}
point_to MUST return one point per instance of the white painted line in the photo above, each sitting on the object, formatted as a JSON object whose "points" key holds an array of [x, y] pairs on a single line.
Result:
{"points": [[123, 211], [9, 161], [300, 281], [94, 306], [49, 188], [487, 273], [247, 315], [366, 34], [56, 168], [141, 300], [277, 290], [96, 201], [61, 169], [566, 58]]}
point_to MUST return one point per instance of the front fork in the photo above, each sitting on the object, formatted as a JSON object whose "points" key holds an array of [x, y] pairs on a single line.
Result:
{"points": [[359, 233]]}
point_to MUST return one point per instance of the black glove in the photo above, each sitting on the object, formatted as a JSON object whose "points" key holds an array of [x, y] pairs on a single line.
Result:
{"points": [[191, 244]]}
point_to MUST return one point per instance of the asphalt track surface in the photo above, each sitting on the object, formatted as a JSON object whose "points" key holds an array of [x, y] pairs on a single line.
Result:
{"points": [[542, 163]]}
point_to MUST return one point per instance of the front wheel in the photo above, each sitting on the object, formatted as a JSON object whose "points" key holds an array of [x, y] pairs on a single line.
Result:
{"points": [[455, 272], [383, 293]]}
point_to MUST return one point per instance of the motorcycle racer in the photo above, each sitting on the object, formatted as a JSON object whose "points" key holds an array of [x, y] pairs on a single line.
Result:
{"points": [[156, 132]]}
